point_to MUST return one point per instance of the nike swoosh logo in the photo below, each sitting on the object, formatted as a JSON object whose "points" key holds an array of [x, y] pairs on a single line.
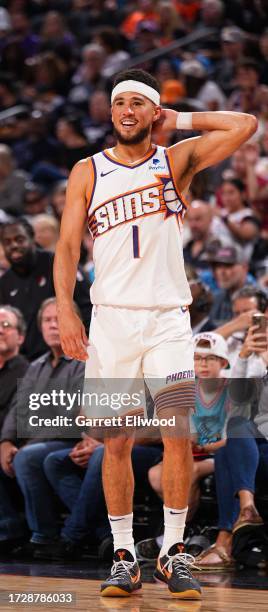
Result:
{"points": [[136, 578], [109, 172], [116, 519], [171, 512]]}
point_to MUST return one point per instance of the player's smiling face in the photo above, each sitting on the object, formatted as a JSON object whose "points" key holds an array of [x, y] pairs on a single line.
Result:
{"points": [[133, 116]]}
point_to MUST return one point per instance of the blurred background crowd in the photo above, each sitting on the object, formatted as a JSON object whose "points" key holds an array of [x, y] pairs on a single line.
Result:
{"points": [[57, 63]]}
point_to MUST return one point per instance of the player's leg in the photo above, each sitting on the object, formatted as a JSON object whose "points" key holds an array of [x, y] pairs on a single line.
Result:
{"points": [[174, 566], [118, 484], [114, 359], [170, 366], [176, 482]]}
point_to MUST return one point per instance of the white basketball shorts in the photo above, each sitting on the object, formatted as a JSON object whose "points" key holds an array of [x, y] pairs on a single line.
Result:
{"points": [[141, 343]]}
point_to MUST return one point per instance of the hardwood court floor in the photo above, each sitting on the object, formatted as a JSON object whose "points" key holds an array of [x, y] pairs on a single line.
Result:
{"points": [[152, 598]]}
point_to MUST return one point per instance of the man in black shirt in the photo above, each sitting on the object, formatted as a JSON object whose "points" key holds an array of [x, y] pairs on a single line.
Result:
{"points": [[29, 282], [12, 365]]}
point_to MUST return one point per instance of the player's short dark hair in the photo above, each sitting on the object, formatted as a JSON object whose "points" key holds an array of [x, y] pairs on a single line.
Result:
{"points": [[135, 74], [251, 291], [19, 221]]}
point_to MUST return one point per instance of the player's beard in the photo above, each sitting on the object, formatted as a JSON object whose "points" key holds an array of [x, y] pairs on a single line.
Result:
{"points": [[136, 139]]}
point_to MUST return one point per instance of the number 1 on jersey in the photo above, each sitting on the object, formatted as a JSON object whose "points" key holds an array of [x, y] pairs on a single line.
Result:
{"points": [[136, 242]]}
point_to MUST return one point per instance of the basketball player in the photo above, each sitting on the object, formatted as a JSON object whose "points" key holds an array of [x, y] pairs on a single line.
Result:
{"points": [[133, 198]]}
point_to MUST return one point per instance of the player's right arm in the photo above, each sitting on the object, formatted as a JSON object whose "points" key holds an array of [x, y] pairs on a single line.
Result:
{"points": [[72, 332]]}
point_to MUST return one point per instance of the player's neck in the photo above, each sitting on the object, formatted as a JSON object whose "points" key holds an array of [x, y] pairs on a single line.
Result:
{"points": [[132, 153]]}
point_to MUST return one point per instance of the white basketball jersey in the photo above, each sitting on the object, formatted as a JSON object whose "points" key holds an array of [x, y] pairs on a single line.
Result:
{"points": [[135, 217]]}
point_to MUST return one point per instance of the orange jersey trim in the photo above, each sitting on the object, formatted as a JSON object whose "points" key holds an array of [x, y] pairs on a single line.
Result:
{"points": [[172, 172], [121, 162], [92, 182]]}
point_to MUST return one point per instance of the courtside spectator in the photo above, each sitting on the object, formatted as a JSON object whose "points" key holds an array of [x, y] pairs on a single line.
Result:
{"points": [[245, 302], [236, 224], [238, 465], [252, 360], [230, 270], [12, 364], [25, 460], [203, 234], [29, 282], [76, 477]]}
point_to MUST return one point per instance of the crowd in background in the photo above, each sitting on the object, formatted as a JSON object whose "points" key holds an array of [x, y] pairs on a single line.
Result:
{"points": [[57, 63]]}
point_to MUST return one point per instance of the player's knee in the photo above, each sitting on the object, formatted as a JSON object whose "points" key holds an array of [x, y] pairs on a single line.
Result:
{"points": [[118, 445], [177, 446]]}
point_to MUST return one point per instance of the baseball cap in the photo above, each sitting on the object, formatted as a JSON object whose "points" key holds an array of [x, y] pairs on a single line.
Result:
{"points": [[227, 255], [231, 34], [171, 90], [193, 68], [211, 344]]}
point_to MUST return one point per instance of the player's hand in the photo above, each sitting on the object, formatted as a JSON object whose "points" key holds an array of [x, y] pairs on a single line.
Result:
{"points": [[73, 336], [167, 120]]}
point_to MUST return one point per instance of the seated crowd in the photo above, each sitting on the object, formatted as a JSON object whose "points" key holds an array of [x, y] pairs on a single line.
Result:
{"points": [[55, 82]]}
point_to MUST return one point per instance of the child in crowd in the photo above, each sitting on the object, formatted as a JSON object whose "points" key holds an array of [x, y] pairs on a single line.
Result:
{"points": [[207, 424]]}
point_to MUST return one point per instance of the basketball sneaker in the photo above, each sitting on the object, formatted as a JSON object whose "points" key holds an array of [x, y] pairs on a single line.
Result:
{"points": [[124, 578], [173, 569]]}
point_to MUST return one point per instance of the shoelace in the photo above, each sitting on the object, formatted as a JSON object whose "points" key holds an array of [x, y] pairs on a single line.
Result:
{"points": [[121, 568], [181, 561]]}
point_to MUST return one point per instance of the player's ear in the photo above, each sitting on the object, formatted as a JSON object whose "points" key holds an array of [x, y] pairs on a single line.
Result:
{"points": [[157, 113]]}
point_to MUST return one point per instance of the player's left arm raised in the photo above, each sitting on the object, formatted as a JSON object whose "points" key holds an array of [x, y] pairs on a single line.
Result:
{"points": [[224, 133]]}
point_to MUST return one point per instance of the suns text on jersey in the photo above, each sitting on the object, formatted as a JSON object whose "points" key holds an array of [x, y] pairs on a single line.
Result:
{"points": [[125, 208]]}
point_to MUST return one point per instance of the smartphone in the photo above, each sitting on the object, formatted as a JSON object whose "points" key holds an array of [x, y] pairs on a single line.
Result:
{"points": [[261, 321]]}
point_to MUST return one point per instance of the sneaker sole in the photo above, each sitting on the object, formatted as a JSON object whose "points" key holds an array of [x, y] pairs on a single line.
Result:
{"points": [[186, 595], [190, 594], [115, 591]]}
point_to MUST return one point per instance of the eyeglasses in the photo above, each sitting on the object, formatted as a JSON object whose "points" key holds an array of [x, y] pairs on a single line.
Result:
{"points": [[206, 358], [7, 325]]}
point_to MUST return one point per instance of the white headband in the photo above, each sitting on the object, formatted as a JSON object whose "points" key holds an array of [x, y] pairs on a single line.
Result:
{"points": [[137, 87]]}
